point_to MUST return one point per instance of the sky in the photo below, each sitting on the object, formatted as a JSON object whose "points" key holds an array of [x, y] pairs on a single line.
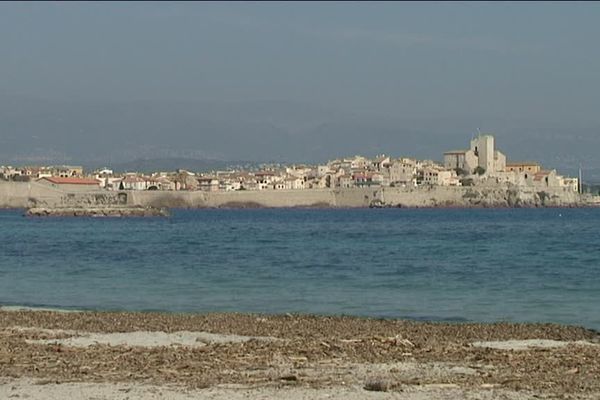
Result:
{"points": [[492, 65]]}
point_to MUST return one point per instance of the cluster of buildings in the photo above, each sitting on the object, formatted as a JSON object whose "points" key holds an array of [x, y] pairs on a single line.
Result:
{"points": [[481, 164]]}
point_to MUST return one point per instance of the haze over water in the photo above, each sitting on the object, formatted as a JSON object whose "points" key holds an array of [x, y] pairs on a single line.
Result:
{"points": [[535, 265]]}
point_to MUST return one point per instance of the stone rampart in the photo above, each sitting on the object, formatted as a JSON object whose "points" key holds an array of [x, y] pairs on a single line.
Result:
{"points": [[31, 194], [237, 199], [501, 196]]}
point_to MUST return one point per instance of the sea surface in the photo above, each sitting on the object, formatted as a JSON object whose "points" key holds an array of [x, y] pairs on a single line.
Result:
{"points": [[534, 265]]}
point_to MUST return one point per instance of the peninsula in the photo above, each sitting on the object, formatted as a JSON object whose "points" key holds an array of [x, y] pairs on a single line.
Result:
{"points": [[479, 176]]}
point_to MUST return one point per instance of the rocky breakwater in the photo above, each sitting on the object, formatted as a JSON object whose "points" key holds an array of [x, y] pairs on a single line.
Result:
{"points": [[97, 212]]}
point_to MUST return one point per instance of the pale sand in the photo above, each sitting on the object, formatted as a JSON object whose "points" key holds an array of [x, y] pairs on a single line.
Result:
{"points": [[137, 339], [38, 309], [199, 339], [529, 344], [42, 390], [353, 375], [53, 356]]}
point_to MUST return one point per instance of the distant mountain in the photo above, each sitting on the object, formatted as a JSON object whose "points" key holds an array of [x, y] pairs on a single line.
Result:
{"points": [[85, 132], [172, 164]]}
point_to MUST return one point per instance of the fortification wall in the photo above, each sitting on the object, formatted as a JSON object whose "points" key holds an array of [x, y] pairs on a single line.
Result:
{"points": [[238, 199], [31, 194], [355, 197], [25, 194], [502, 196]]}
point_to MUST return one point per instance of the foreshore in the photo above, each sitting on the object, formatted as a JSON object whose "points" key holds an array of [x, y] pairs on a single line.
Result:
{"points": [[50, 354]]}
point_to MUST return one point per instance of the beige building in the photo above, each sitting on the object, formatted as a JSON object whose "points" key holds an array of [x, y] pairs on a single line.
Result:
{"points": [[380, 163], [345, 181], [293, 183], [133, 182], [523, 166], [71, 184], [482, 153], [440, 177], [208, 184], [460, 159], [66, 171], [403, 172]]}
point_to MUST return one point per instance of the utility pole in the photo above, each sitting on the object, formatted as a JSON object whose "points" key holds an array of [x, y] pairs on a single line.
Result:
{"points": [[580, 180]]}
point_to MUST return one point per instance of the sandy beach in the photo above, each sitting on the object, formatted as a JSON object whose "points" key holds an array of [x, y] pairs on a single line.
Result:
{"points": [[87, 355]]}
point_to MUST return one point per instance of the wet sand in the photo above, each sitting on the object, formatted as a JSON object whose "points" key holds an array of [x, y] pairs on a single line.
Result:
{"points": [[47, 355]]}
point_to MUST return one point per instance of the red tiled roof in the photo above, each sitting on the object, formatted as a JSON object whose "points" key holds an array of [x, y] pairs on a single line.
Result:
{"points": [[522, 163], [538, 176], [71, 181], [133, 179]]}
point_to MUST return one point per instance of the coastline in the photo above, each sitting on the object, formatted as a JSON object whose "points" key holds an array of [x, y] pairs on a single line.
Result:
{"points": [[231, 355], [32, 195]]}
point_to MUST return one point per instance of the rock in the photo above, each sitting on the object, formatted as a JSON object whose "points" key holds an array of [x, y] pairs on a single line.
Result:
{"points": [[377, 385], [98, 212], [289, 378]]}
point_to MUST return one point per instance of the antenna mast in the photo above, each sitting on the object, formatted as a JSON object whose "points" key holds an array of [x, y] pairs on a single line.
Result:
{"points": [[580, 180]]}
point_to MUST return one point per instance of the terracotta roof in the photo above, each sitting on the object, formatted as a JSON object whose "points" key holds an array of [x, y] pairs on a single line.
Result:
{"points": [[133, 179], [71, 181], [518, 163], [538, 176]]}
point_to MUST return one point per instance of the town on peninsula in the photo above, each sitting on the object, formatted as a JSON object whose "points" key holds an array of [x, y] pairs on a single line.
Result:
{"points": [[480, 176]]}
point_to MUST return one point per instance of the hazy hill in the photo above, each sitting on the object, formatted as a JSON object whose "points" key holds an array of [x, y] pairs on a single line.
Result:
{"points": [[172, 164], [116, 133]]}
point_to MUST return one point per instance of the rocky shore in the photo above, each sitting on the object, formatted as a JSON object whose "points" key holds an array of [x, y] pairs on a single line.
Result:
{"points": [[224, 356], [97, 212]]}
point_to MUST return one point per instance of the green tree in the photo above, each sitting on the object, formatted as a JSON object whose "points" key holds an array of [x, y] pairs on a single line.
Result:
{"points": [[479, 170], [466, 182], [460, 172]]}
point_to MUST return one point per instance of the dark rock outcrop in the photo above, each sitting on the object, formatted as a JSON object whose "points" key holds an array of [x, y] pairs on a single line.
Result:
{"points": [[97, 212]]}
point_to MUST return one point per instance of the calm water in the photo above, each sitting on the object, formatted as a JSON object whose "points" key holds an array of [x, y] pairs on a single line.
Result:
{"points": [[462, 265]]}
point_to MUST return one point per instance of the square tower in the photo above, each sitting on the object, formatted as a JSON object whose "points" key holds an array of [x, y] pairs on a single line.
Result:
{"points": [[483, 147]]}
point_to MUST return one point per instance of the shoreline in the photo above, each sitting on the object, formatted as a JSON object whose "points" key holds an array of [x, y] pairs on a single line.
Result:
{"points": [[502, 195], [457, 320], [342, 208], [234, 355]]}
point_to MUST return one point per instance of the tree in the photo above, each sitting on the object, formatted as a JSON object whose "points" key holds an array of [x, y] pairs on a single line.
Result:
{"points": [[460, 172], [479, 170], [466, 182]]}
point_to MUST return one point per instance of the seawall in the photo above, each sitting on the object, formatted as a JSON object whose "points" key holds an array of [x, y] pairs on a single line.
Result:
{"points": [[33, 194], [504, 196]]}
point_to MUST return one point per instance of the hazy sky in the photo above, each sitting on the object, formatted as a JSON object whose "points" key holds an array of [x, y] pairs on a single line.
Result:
{"points": [[535, 66], [515, 59]]}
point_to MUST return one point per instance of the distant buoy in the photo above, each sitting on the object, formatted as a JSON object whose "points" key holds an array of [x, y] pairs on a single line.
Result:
{"points": [[560, 215]]}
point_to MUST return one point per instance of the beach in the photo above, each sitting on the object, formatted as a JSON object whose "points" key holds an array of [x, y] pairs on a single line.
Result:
{"points": [[91, 355]]}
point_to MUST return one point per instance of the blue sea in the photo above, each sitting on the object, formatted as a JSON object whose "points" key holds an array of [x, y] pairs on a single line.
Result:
{"points": [[533, 265]]}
